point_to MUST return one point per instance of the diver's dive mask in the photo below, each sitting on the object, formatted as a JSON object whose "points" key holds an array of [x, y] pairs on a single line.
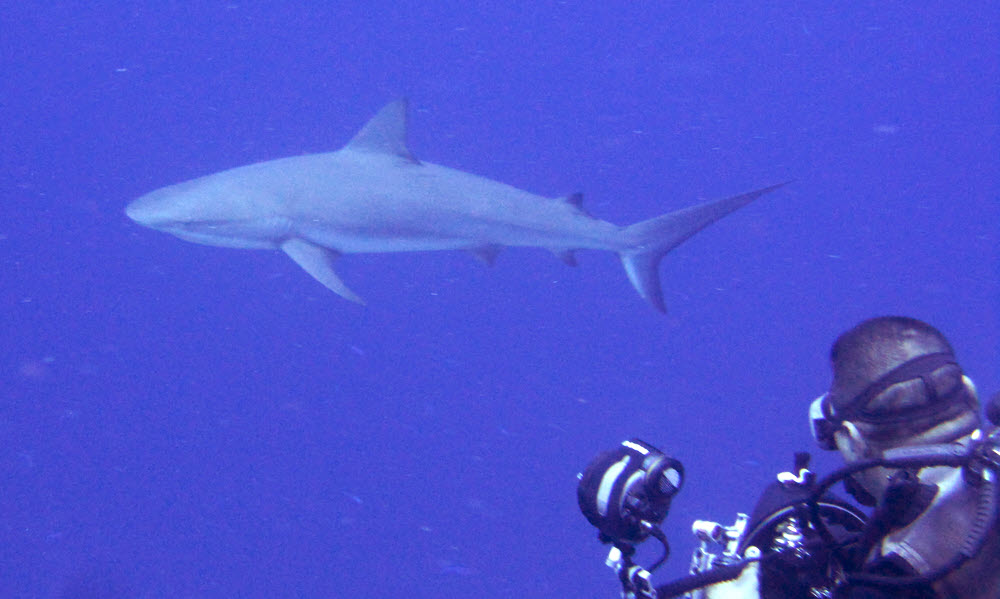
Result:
{"points": [[825, 419], [821, 425]]}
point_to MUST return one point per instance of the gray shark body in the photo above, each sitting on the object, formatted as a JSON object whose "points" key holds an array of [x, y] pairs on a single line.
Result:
{"points": [[374, 196]]}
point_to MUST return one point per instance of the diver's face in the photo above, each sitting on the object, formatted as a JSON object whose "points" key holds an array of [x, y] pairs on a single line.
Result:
{"points": [[854, 449]]}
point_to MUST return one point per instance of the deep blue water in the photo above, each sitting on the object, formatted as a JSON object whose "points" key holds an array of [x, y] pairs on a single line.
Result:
{"points": [[184, 421]]}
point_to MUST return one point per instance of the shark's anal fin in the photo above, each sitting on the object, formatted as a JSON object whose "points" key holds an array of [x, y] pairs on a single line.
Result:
{"points": [[566, 255], [318, 262]]}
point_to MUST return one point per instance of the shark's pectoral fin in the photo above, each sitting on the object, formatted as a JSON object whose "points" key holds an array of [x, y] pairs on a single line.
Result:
{"points": [[318, 262]]}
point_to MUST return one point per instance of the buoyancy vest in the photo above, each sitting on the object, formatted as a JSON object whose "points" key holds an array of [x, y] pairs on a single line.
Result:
{"points": [[931, 540]]}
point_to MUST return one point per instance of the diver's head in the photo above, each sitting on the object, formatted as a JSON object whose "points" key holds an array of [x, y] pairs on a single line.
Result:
{"points": [[895, 382]]}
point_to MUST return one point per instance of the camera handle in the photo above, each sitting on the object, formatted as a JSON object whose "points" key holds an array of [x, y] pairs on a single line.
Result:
{"points": [[636, 581]]}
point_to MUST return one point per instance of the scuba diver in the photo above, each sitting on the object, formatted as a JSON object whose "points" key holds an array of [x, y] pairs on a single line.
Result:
{"points": [[896, 383], [906, 420]]}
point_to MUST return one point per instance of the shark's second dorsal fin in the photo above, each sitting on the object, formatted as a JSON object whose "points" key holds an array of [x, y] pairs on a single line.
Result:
{"points": [[576, 201], [385, 133]]}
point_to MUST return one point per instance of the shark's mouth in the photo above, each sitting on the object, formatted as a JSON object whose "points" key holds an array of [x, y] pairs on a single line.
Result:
{"points": [[246, 234], [198, 226]]}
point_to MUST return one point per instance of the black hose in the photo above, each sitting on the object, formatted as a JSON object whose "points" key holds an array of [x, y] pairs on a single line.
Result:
{"points": [[703, 579]]}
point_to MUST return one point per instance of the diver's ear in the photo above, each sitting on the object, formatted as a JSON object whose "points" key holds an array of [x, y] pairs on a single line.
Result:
{"points": [[850, 442]]}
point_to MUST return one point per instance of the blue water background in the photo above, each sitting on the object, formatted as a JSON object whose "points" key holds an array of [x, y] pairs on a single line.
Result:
{"points": [[184, 421]]}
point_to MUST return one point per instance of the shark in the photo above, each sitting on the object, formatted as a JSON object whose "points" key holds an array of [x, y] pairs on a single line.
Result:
{"points": [[373, 195]]}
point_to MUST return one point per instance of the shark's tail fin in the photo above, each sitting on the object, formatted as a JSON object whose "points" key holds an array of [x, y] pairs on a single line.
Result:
{"points": [[651, 239]]}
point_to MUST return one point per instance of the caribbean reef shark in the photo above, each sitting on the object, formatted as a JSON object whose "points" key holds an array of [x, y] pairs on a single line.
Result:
{"points": [[373, 195]]}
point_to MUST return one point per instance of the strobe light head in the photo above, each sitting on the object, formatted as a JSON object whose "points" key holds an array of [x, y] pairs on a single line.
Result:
{"points": [[626, 491]]}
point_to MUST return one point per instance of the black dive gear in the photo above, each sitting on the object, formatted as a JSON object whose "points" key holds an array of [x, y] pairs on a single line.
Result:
{"points": [[859, 492], [980, 462], [794, 560], [805, 539]]}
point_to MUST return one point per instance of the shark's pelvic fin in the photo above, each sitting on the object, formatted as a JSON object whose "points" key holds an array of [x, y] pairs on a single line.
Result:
{"points": [[318, 262], [487, 254], [385, 133], [651, 239]]}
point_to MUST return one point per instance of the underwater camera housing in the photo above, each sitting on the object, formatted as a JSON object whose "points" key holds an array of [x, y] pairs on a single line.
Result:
{"points": [[626, 492], [800, 537]]}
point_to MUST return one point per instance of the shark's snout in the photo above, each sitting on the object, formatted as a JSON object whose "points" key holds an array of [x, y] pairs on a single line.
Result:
{"points": [[151, 210], [134, 211]]}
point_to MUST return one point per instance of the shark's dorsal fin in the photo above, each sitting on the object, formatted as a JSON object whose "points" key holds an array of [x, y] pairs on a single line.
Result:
{"points": [[385, 133]]}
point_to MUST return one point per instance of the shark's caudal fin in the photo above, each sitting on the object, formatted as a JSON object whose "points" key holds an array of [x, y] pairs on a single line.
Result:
{"points": [[651, 239]]}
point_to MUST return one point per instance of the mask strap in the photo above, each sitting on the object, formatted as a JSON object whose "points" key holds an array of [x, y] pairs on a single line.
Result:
{"points": [[920, 367]]}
